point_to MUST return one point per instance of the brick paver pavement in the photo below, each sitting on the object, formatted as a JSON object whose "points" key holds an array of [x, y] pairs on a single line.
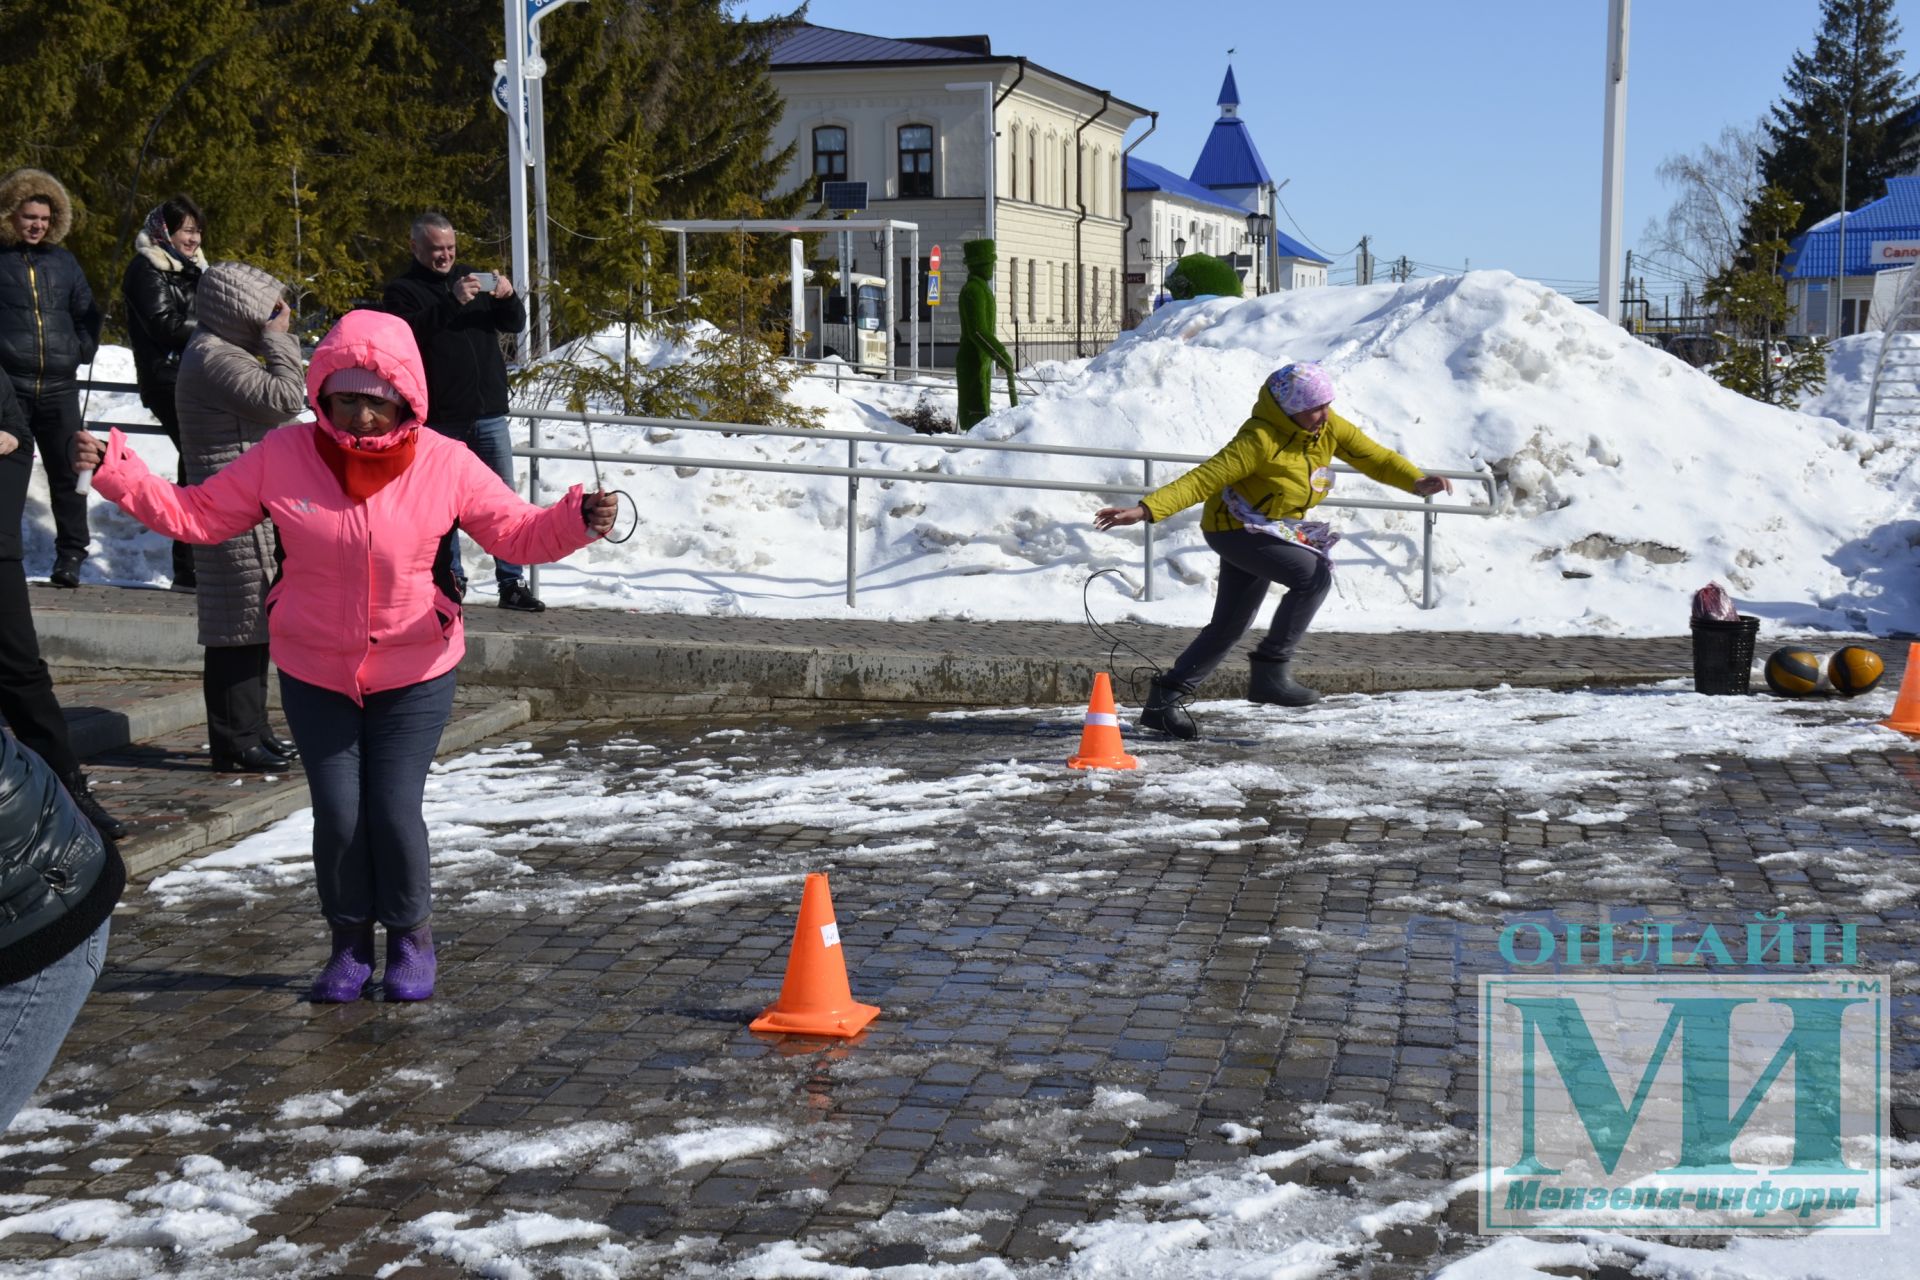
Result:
{"points": [[1041, 958]]}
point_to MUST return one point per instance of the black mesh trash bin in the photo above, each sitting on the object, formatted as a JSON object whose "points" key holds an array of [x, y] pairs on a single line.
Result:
{"points": [[1723, 655]]}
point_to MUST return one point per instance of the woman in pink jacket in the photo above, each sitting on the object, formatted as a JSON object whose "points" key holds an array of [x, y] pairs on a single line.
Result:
{"points": [[361, 622]]}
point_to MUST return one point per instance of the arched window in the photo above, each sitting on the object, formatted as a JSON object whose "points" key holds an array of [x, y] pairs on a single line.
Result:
{"points": [[829, 157], [1066, 183], [916, 160], [1013, 163], [1033, 168]]}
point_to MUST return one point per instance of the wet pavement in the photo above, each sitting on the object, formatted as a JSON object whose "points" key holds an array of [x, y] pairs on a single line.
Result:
{"points": [[1096, 988]]}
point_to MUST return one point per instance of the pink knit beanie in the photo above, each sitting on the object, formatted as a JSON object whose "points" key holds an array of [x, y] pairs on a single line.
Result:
{"points": [[357, 381]]}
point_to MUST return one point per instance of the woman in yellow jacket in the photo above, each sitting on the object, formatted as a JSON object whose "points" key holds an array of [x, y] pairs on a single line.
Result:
{"points": [[1257, 489]]}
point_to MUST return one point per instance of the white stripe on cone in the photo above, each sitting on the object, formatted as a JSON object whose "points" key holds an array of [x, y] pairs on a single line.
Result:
{"points": [[1102, 717]]}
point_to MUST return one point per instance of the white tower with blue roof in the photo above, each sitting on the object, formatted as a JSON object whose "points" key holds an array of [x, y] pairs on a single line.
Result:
{"points": [[1230, 165]]}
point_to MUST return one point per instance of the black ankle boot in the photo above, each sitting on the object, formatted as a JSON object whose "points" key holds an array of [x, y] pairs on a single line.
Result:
{"points": [[1165, 711], [103, 822], [1271, 683], [255, 759]]}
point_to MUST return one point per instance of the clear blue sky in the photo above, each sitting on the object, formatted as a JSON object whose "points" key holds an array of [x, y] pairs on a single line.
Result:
{"points": [[1451, 133]]}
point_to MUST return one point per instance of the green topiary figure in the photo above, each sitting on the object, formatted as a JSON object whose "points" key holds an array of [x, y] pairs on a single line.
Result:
{"points": [[979, 349], [1199, 274]]}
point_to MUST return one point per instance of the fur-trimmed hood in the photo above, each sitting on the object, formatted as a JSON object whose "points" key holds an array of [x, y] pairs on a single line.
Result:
{"points": [[29, 184], [162, 260]]}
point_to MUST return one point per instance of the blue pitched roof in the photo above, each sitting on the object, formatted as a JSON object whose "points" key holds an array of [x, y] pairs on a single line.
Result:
{"points": [[1144, 175], [1288, 247], [1230, 159], [1894, 216], [1229, 91], [808, 43]]}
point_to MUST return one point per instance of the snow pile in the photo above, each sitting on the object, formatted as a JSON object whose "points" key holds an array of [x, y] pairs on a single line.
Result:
{"points": [[1625, 480]]}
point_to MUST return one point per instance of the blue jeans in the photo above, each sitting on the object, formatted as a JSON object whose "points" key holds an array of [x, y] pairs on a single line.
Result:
{"points": [[491, 444], [36, 1014], [367, 774]]}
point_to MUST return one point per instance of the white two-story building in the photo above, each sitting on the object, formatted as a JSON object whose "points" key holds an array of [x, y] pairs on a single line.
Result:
{"points": [[969, 144], [1225, 208]]}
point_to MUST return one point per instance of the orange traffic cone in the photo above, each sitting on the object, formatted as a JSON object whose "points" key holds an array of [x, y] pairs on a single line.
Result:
{"points": [[1906, 707], [815, 999], [1100, 745]]}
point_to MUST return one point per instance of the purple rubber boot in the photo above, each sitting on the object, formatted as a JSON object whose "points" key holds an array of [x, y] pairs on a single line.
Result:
{"points": [[350, 967], [410, 965]]}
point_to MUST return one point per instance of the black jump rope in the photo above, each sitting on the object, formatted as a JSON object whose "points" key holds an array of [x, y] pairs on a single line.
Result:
{"points": [[1147, 671], [599, 486]]}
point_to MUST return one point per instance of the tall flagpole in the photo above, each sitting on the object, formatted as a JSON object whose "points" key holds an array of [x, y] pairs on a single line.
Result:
{"points": [[1613, 162], [516, 32]]}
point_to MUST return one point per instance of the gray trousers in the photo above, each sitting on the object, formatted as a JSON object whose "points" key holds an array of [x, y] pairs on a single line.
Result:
{"points": [[367, 774], [1249, 562]]}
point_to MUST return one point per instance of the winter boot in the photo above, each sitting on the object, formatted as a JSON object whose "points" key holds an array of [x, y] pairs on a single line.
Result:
{"points": [[66, 569], [1270, 682], [410, 965], [103, 822], [1164, 711], [350, 967]]}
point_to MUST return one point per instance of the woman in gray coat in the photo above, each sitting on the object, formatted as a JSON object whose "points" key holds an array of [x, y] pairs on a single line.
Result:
{"points": [[240, 378]]}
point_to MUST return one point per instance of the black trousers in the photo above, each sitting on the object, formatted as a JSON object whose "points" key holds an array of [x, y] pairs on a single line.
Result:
{"points": [[1249, 564], [234, 681], [55, 420], [26, 687], [162, 407]]}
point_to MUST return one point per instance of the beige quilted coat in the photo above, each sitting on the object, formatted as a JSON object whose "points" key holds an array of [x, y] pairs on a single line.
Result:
{"points": [[236, 384]]}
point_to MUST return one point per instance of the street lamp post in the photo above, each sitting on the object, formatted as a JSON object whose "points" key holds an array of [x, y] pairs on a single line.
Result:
{"points": [[1836, 307], [1259, 228], [1839, 293]]}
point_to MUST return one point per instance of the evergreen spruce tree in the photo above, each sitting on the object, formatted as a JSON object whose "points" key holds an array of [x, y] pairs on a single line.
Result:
{"points": [[1753, 299], [1850, 81], [307, 129]]}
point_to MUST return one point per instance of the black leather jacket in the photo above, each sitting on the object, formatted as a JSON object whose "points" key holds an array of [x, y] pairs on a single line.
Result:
{"points": [[160, 321], [49, 325], [59, 878]]}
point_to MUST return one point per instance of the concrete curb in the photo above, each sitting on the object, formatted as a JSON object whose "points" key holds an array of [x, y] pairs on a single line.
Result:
{"points": [[95, 730], [571, 672], [146, 858]]}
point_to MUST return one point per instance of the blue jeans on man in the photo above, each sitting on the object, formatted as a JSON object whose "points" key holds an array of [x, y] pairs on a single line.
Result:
{"points": [[492, 444]]}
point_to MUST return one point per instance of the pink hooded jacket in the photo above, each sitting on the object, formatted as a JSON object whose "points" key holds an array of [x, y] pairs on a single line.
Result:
{"points": [[355, 609]]}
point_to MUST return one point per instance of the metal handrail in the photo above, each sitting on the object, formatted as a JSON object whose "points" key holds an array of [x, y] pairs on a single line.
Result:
{"points": [[536, 452], [836, 369]]}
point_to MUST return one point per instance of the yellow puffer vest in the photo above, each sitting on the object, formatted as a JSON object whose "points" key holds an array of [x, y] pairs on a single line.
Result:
{"points": [[1279, 469]]}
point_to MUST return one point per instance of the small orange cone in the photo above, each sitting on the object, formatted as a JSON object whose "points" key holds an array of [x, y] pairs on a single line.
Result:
{"points": [[1100, 745], [815, 999], [1906, 707]]}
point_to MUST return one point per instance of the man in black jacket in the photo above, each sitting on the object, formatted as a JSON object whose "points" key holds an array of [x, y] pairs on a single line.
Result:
{"points": [[457, 317], [49, 327]]}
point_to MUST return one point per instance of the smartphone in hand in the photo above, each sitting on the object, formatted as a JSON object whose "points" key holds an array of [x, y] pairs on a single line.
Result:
{"points": [[488, 281]]}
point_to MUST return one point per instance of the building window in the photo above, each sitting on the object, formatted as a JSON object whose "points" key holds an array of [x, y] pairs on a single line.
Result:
{"points": [[1013, 163], [829, 157], [1033, 173], [916, 160], [1030, 311]]}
